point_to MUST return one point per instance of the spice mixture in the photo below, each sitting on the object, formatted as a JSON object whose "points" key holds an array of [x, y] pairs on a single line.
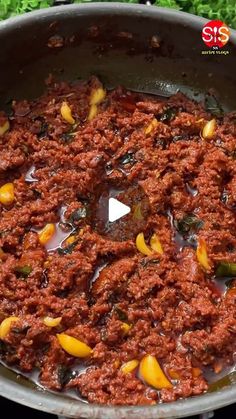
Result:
{"points": [[142, 315]]}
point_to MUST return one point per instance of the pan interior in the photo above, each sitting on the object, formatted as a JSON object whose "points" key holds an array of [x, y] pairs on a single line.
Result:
{"points": [[135, 50]]}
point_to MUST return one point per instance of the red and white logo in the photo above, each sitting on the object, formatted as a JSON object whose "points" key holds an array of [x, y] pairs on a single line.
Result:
{"points": [[215, 34]]}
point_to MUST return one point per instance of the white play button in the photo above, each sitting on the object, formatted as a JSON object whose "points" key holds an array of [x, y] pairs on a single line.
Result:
{"points": [[116, 210]]}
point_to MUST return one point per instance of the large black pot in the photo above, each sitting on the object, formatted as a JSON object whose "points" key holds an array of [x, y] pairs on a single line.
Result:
{"points": [[144, 48]]}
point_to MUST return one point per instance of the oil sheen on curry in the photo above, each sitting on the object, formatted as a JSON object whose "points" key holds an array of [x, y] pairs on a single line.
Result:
{"points": [[137, 312]]}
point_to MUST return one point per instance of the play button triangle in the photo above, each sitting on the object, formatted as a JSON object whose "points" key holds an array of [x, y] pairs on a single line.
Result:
{"points": [[116, 210]]}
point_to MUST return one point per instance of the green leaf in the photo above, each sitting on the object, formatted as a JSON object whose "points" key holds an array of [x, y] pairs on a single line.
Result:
{"points": [[65, 374], [187, 223], [225, 269], [120, 313], [127, 158], [23, 270], [10, 8], [212, 105], [78, 215], [67, 250], [168, 115], [167, 3]]}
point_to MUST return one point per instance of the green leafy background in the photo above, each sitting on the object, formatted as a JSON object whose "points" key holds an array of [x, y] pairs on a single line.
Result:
{"points": [[213, 9]]}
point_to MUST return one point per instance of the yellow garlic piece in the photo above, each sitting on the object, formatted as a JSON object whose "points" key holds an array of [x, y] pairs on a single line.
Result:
{"points": [[209, 129], [201, 253], [70, 240], [52, 322], [129, 366], [5, 326], [125, 327], [97, 96], [92, 112], [4, 128], [74, 346], [153, 124], [7, 195], [46, 264], [142, 246], [156, 244], [152, 373], [46, 233], [66, 113], [138, 212]]}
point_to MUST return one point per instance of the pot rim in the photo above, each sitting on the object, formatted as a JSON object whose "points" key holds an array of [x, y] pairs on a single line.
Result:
{"points": [[54, 403], [188, 19]]}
